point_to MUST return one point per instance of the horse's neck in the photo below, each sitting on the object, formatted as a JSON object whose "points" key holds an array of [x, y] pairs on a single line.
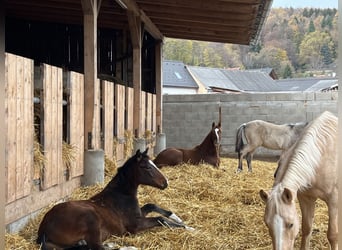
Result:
{"points": [[207, 145], [118, 187]]}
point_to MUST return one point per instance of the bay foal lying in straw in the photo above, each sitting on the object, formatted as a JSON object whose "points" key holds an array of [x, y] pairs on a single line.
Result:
{"points": [[206, 152], [113, 211], [259, 133], [308, 170]]}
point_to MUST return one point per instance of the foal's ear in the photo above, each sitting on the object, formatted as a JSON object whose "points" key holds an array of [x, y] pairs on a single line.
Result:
{"points": [[264, 195], [145, 152], [287, 196]]}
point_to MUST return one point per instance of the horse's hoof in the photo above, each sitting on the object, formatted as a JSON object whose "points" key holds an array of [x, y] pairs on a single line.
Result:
{"points": [[191, 229], [175, 218], [110, 246], [238, 170], [128, 248]]}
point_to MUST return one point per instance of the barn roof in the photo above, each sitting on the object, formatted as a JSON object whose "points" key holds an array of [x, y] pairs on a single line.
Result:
{"points": [[226, 21], [234, 80], [212, 78], [175, 74], [251, 81], [306, 84]]}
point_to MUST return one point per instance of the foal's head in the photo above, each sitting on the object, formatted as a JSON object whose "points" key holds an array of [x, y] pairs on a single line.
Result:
{"points": [[216, 133], [281, 217], [146, 172]]}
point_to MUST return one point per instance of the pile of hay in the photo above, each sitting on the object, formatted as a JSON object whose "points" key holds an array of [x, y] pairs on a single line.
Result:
{"points": [[222, 206]]}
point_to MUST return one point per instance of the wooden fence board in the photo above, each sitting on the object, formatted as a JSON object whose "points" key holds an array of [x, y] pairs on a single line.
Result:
{"points": [[76, 122], [52, 143], [154, 113], [28, 132], [11, 125], [129, 109], [96, 134], [108, 111], [143, 112], [149, 105], [120, 120], [19, 126]]}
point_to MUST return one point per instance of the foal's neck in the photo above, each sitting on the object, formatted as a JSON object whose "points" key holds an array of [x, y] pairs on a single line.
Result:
{"points": [[208, 145]]}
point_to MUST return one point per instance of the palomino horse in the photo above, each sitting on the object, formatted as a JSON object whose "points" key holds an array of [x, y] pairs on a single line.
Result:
{"points": [[206, 152], [113, 211], [308, 170], [259, 133]]}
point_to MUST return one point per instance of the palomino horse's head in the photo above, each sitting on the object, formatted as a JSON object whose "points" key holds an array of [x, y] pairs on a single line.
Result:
{"points": [[216, 133], [281, 217], [147, 173]]}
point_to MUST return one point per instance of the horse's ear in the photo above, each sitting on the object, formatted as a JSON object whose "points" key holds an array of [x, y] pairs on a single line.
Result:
{"points": [[264, 195], [287, 196], [219, 125], [213, 125], [145, 152]]}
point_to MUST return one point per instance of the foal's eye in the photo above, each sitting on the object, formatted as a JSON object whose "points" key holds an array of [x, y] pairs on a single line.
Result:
{"points": [[290, 225]]}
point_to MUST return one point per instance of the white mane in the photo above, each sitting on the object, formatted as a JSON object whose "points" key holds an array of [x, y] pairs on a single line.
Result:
{"points": [[307, 154]]}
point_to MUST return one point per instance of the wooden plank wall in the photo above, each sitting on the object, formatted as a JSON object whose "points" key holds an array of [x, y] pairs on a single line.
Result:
{"points": [[76, 123], [108, 114], [53, 122], [120, 121], [19, 126]]}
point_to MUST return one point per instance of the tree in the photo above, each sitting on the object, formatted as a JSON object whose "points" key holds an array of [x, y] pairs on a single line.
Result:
{"points": [[310, 49], [311, 27], [287, 73]]}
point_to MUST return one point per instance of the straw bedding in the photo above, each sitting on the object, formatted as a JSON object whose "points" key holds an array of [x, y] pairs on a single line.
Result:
{"points": [[222, 206]]}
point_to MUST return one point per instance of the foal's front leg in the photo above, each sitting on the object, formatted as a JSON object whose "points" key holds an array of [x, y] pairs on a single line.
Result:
{"points": [[145, 223], [148, 208]]}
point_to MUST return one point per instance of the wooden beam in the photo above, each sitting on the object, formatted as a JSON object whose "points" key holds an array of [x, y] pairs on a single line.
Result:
{"points": [[149, 25], [135, 29], [90, 11], [159, 84]]}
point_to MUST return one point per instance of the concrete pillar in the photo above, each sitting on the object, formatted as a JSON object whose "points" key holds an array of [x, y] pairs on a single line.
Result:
{"points": [[139, 143], [160, 143], [94, 167]]}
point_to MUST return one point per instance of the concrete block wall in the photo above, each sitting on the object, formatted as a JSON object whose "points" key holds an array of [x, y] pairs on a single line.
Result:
{"points": [[187, 119]]}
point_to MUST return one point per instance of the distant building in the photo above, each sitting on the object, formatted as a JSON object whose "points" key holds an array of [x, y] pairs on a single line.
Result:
{"points": [[179, 78], [308, 84]]}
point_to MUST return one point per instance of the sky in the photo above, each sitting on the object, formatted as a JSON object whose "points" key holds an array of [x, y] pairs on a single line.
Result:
{"points": [[305, 3]]}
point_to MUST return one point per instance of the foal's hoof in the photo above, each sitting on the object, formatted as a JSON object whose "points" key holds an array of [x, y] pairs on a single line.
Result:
{"points": [[175, 218], [187, 228]]}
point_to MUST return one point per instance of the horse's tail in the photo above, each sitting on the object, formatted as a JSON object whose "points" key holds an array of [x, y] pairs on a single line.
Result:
{"points": [[239, 140]]}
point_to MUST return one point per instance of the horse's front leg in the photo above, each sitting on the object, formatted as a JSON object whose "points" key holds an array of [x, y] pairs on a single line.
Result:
{"points": [[307, 206], [145, 223], [148, 208], [333, 225]]}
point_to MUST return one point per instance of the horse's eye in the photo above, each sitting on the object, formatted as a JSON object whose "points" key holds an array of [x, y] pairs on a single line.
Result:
{"points": [[290, 225], [146, 166]]}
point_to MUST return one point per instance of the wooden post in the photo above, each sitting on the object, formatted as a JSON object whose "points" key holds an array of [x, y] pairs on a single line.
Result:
{"points": [[90, 11], [159, 85], [135, 29], [2, 127]]}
